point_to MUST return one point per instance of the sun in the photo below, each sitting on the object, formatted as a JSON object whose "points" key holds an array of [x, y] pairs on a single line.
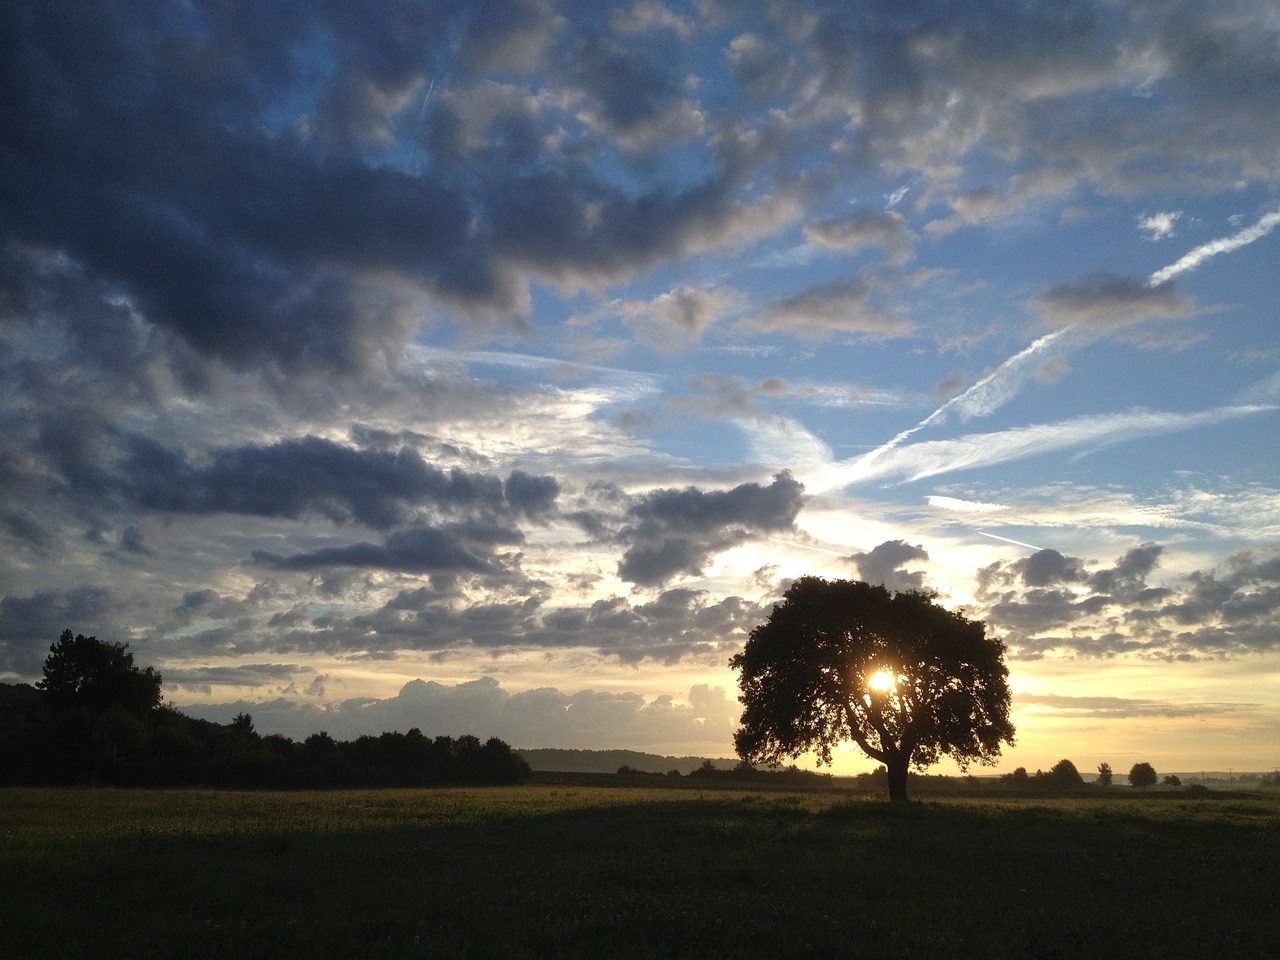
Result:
{"points": [[883, 681]]}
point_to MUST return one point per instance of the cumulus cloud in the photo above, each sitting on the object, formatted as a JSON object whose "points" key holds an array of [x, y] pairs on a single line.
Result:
{"points": [[883, 565], [1159, 226], [540, 717], [1231, 611], [673, 320], [671, 532]]}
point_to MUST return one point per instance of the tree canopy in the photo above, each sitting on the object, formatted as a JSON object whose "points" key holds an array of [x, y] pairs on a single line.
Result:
{"points": [[1142, 775], [94, 675], [906, 680]]}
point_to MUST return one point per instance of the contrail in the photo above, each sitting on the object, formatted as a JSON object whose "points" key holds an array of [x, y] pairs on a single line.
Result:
{"points": [[1214, 247], [993, 390], [984, 389], [1017, 543], [422, 114]]}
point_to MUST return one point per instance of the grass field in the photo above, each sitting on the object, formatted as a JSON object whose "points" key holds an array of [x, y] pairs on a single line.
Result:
{"points": [[553, 871]]}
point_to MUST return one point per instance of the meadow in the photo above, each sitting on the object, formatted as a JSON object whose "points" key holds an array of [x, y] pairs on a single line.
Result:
{"points": [[564, 871]]}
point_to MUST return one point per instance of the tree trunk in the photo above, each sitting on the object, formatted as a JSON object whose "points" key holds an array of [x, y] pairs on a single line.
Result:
{"points": [[897, 768]]}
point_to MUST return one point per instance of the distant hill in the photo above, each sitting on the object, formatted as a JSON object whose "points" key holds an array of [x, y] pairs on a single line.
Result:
{"points": [[608, 761]]}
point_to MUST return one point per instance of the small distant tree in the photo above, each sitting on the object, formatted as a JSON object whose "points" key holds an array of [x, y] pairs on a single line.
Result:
{"points": [[1104, 774], [1172, 780], [1142, 775]]}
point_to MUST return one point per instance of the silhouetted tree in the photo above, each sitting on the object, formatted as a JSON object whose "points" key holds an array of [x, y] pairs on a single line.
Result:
{"points": [[904, 679], [91, 674], [1062, 776], [1018, 778], [1142, 775], [1104, 774], [1172, 780]]}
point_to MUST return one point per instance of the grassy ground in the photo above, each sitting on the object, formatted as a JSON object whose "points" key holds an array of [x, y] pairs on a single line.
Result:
{"points": [[543, 871]]}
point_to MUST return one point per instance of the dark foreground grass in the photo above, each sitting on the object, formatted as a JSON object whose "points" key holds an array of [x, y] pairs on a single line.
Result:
{"points": [[544, 871]]}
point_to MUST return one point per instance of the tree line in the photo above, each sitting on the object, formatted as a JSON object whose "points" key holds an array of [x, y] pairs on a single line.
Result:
{"points": [[97, 718], [1064, 776]]}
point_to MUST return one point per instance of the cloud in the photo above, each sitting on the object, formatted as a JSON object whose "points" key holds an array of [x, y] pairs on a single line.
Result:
{"points": [[29, 625], [882, 565], [1045, 567], [420, 550], [670, 532], [1159, 226], [862, 228], [673, 320], [934, 457], [1205, 251], [456, 619], [1225, 612], [545, 716], [1117, 708], [846, 305], [312, 476], [310, 236], [1105, 302]]}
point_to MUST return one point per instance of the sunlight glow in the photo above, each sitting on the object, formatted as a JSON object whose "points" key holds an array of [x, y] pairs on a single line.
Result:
{"points": [[882, 680]]}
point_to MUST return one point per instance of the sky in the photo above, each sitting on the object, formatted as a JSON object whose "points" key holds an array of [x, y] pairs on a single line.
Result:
{"points": [[492, 368]]}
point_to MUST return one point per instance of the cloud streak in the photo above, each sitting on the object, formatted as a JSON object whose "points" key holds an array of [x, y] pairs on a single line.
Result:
{"points": [[1207, 251]]}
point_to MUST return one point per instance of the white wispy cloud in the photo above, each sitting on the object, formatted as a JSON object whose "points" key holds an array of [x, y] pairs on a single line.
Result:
{"points": [[788, 443], [931, 458], [1214, 247]]}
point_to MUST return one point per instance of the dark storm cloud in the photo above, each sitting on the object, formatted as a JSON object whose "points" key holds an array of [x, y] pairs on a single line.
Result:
{"points": [[630, 88], [529, 495], [310, 475], [28, 625], [671, 532], [282, 185], [1242, 602], [421, 550], [882, 565], [22, 525], [222, 182]]}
